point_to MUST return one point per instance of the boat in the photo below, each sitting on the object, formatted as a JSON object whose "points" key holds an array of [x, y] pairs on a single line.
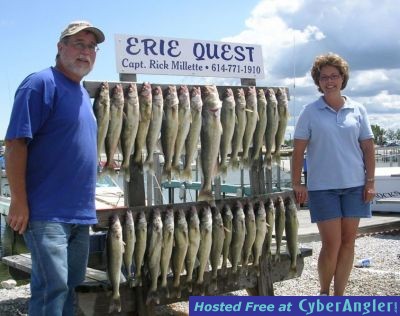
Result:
{"points": [[387, 187]]}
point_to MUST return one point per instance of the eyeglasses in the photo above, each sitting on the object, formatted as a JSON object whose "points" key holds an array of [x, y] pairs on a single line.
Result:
{"points": [[82, 46], [332, 77]]}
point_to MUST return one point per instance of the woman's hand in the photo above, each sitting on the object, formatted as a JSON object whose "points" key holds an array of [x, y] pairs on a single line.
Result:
{"points": [[369, 192]]}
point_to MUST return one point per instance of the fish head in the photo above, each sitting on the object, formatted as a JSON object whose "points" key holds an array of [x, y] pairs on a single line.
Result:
{"points": [[240, 99], [193, 217], [196, 102], [171, 97], [104, 89], [129, 217], [115, 226], [227, 212]]}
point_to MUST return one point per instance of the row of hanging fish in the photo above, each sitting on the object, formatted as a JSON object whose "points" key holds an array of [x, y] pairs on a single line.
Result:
{"points": [[189, 241], [231, 129]]}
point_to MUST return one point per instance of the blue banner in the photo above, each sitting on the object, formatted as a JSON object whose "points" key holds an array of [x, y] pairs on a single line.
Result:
{"points": [[294, 305]]}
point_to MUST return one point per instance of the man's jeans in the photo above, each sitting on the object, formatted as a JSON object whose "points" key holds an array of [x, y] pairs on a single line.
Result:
{"points": [[59, 254]]}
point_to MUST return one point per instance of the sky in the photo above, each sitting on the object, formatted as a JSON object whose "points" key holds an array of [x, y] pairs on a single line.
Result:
{"points": [[291, 33]]}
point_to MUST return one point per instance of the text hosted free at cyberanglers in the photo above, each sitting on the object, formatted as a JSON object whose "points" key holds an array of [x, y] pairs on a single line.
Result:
{"points": [[273, 305]]}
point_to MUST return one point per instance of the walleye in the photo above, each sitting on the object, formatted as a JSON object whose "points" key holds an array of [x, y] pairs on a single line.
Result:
{"points": [[115, 249], [238, 236], [218, 236], [272, 126], [180, 249], [129, 238], [205, 245], [251, 123], [166, 249], [270, 213], [250, 222], [291, 232], [145, 108], [115, 125], [283, 111], [130, 126], [192, 140], [240, 126], [140, 246], [279, 226], [193, 247], [258, 138], [169, 129], [154, 253], [227, 220], [101, 109], [261, 231], [184, 120], [228, 128], [210, 137], [155, 126]]}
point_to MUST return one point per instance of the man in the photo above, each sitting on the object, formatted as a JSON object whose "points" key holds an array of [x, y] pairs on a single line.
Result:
{"points": [[51, 167]]}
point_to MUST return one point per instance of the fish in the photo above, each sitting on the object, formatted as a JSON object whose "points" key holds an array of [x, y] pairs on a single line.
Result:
{"points": [[250, 222], [140, 247], [259, 133], [169, 129], [184, 120], [291, 232], [227, 218], [283, 110], [279, 226], [155, 127], [240, 126], [193, 247], [210, 137], [261, 231], [166, 250], [115, 125], [115, 250], [228, 127], [218, 236], [238, 236], [205, 245], [130, 124], [270, 215], [193, 138], [251, 123], [155, 242], [145, 110], [101, 109], [272, 126], [180, 249], [129, 238]]}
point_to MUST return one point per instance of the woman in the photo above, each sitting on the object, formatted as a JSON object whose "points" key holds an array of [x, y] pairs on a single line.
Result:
{"points": [[336, 132]]}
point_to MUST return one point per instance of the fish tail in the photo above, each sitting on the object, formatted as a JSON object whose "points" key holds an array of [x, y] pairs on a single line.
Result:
{"points": [[187, 173], [268, 161], [223, 170], [175, 170], [115, 305], [127, 173], [205, 195], [149, 165]]}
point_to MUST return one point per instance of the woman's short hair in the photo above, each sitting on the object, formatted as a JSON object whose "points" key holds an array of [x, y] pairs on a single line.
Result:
{"points": [[330, 59]]}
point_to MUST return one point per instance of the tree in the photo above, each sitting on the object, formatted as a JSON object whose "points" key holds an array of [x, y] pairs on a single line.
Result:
{"points": [[378, 134], [390, 134]]}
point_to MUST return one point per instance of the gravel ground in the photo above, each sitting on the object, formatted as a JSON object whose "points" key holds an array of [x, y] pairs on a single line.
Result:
{"points": [[382, 278]]}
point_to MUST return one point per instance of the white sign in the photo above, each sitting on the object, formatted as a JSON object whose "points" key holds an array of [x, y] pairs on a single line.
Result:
{"points": [[174, 56]]}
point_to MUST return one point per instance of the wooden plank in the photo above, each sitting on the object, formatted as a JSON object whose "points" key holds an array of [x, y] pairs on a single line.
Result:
{"points": [[104, 214]]}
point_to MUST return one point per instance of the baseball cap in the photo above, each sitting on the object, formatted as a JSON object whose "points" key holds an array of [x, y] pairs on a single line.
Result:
{"points": [[77, 26]]}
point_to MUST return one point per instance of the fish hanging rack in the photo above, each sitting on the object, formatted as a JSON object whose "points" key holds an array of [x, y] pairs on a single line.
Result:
{"points": [[93, 86]]}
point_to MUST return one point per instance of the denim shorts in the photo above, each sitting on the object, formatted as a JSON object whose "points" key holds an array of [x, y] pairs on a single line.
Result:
{"points": [[338, 203]]}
